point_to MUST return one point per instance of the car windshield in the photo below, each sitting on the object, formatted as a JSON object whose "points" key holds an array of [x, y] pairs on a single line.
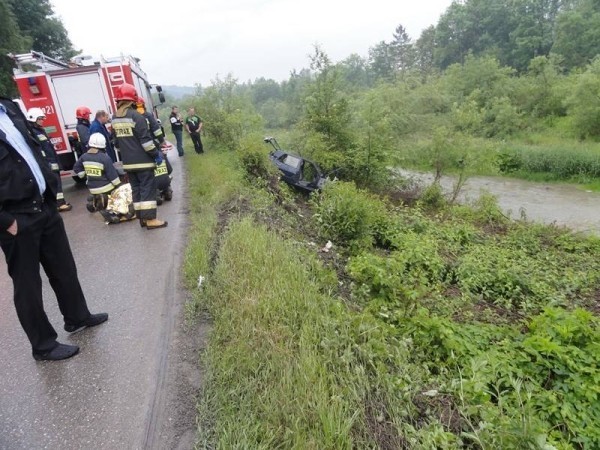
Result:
{"points": [[292, 161]]}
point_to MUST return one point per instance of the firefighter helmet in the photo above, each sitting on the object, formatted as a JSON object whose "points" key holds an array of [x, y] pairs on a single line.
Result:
{"points": [[126, 91], [34, 114], [97, 140], [83, 112]]}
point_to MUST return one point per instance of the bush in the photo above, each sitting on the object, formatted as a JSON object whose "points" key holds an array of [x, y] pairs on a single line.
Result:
{"points": [[350, 216], [254, 159]]}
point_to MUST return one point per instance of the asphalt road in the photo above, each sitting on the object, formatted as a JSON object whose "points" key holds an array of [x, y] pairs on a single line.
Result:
{"points": [[111, 394]]}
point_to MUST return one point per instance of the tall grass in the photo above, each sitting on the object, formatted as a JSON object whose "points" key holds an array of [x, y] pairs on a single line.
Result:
{"points": [[287, 365]]}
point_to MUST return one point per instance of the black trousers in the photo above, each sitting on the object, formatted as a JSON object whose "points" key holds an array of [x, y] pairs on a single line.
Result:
{"points": [[60, 197], [143, 191], [41, 238], [197, 142]]}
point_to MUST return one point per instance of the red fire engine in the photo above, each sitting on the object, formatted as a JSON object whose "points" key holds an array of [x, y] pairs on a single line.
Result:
{"points": [[59, 88]]}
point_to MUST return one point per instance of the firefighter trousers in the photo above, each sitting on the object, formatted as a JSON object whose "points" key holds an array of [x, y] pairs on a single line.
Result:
{"points": [[60, 197], [143, 191], [41, 239]]}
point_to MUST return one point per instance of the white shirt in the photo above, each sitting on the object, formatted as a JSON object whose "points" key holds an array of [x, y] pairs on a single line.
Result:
{"points": [[18, 142]]}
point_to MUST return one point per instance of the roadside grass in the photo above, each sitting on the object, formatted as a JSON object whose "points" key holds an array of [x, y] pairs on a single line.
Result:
{"points": [[211, 181], [426, 327]]}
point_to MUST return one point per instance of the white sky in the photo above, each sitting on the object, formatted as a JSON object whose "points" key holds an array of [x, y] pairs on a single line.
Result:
{"points": [[185, 42]]}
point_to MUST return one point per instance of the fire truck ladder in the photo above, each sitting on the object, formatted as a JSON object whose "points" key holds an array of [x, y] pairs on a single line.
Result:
{"points": [[36, 59]]}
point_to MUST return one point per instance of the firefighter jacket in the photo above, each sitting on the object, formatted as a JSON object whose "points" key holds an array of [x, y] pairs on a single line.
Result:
{"points": [[19, 193], [162, 174], [83, 133], [134, 139], [102, 177], [48, 151], [155, 128]]}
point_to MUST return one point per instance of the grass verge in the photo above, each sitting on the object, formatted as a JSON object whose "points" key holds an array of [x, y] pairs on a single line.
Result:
{"points": [[444, 328]]}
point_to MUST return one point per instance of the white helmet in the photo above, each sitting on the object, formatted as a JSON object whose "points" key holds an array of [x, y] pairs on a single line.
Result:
{"points": [[97, 140], [35, 113]]}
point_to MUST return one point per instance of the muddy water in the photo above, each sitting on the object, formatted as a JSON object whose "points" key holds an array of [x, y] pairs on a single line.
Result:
{"points": [[560, 204]]}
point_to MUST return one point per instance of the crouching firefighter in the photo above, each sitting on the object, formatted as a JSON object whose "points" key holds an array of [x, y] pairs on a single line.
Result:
{"points": [[102, 177], [36, 117], [139, 154], [163, 177]]}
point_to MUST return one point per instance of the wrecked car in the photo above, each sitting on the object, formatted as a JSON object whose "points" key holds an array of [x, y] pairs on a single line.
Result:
{"points": [[296, 171]]}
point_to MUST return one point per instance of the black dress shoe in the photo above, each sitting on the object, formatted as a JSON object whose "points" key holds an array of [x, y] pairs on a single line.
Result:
{"points": [[61, 351], [92, 321]]}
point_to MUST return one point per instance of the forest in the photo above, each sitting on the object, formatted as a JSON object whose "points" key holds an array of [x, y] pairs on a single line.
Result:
{"points": [[505, 87]]}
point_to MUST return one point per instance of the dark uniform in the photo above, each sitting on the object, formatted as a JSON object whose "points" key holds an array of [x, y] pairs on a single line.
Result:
{"points": [[49, 153], [102, 179], [163, 177], [193, 124], [40, 238], [83, 133], [177, 129], [155, 129], [138, 152]]}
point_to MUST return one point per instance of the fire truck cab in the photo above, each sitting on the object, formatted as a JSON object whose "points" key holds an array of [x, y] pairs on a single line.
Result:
{"points": [[59, 88]]}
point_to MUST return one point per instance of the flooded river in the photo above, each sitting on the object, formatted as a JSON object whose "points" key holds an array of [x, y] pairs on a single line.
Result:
{"points": [[561, 204]]}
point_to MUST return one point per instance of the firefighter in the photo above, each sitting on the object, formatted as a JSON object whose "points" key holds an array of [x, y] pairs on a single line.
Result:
{"points": [[102, 177], [163, 177], [155, 129], [140, 155], [83, 114], [36, 117]]}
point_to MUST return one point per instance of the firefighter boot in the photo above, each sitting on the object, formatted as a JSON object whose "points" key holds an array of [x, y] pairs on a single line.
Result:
{"points": [[108, 217], [65, 207], [159, 198], [90, 204], [152, 224], [168, 194]]}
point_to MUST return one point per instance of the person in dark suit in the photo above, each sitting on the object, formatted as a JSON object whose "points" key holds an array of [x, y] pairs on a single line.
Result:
{"points": [[32, 233]]}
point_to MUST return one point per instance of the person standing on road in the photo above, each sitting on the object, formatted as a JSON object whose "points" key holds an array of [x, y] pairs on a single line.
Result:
{"points": [[177, 128], [99, 126], [140, 155], [36, 117], [83, 114], [32, 233], [193, 125]]}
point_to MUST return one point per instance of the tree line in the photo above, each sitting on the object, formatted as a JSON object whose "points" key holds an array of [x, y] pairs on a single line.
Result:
{"points": [[29, 25]]}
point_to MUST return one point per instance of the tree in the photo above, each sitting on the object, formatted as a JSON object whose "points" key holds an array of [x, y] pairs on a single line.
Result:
{"points": [[425, 51], [381, 61], [355, 71], [578, 34], [35, 18], [11, 41], [402, 49]]}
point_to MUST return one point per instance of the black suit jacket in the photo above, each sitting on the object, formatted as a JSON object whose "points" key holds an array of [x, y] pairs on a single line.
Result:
{"points": [[19, 192]]}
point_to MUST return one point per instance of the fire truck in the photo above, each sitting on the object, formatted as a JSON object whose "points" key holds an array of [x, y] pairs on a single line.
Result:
{"points": [[59, 88]]}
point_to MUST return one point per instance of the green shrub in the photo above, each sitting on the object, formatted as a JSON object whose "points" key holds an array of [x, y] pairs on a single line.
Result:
{"points": [[350, 216], [254, 159], [404, 276]]}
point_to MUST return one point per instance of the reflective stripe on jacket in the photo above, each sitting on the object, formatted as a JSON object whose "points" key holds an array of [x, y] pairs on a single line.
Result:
{"points": [[134, 140], [48, 151], [102, 177]]}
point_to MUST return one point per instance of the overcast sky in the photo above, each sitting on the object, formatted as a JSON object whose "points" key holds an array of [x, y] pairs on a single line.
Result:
{"points": [[186, 42]]}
